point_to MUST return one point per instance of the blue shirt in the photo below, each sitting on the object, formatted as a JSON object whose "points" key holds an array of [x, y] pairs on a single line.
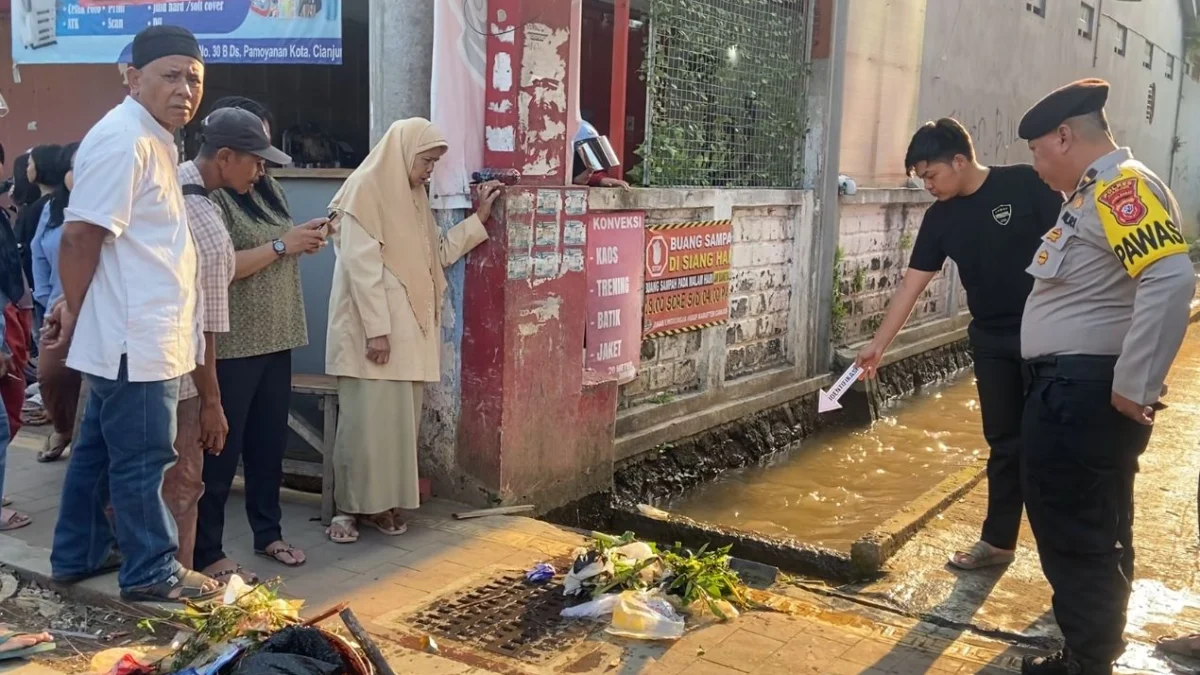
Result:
{"points": [[47, 287]]}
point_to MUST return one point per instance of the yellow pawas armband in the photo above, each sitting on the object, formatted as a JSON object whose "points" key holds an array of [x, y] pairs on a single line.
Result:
{"points": [[1138, 227]]}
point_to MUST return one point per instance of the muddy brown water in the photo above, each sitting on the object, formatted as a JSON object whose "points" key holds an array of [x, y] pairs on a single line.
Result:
{"points": [[838, 485]]}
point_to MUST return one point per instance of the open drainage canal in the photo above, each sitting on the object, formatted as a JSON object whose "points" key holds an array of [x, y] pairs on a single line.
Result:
{"points": [[839, 484]]}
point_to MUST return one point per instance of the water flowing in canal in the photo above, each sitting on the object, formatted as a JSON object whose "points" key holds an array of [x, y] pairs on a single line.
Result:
{"points": [[838, 485]]}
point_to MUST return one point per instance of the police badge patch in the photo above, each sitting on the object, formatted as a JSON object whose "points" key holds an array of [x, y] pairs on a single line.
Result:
{"points": [[1002, 213], [1121, 197]]}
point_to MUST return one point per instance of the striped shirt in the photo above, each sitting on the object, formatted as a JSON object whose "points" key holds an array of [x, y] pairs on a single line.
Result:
{"points": [[216, 255]]}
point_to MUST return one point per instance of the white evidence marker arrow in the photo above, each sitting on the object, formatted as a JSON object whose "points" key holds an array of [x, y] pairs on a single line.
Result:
{"points": [[827, 401]]}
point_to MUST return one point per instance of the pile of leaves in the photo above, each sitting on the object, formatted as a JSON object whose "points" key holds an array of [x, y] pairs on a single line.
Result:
{"points": [[690, 577]]}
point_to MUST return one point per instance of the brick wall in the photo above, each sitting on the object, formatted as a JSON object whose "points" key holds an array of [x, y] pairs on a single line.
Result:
{"points": [[764, 256], [761, 289], [877, 231]]}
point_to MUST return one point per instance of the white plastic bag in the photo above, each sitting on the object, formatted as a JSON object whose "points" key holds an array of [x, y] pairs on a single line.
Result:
{"points": [[645, 615], [599, 608]]}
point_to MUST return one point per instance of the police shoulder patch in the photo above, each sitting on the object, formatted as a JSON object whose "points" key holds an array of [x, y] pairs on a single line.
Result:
{"points": [[1136, 223]]}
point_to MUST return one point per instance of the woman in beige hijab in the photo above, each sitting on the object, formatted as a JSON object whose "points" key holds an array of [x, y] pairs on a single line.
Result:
{"points": [[384, 321]]}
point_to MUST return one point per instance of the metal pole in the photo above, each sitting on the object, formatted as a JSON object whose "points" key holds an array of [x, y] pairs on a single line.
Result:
{"points": [[827, 189], [620, 66]]}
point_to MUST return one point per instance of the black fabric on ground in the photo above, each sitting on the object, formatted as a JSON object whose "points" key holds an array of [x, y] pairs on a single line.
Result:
{"points": [[293, 651]]}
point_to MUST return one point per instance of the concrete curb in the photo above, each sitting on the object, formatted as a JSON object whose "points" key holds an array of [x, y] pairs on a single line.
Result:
{"points": [[32, 564], [873, 549]]}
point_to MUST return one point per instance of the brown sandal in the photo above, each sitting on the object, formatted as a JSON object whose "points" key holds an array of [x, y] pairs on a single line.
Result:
{"points": [[387, 523], [282, 548]]}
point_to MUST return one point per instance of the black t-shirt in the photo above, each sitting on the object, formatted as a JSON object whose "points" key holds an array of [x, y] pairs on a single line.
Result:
{"points": [[991, 235]]}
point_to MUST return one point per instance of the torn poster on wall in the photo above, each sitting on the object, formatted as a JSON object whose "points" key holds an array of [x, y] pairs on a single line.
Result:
{"points": [[614, 275], [687, 276]]}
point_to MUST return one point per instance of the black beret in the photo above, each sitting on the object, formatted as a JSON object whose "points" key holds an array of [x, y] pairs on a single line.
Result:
{"points": [[156, 42], [1078, 98]]}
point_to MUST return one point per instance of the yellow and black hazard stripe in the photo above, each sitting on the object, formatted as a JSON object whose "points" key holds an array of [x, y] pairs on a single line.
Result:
{"points": [[678, 331], [695, 223]]}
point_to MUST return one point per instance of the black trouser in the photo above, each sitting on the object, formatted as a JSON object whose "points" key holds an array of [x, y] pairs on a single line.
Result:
{"points": [[1000, 378], [254, 392], [1081, 456]]}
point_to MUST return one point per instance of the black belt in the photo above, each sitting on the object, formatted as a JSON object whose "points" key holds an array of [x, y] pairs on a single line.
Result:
{"points": [[1080, 367]]}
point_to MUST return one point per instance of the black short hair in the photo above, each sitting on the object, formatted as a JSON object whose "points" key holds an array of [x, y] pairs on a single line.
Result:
{"points": [[939, 141], [247, 104], [1, 153], [24, 192], [47, 160]]}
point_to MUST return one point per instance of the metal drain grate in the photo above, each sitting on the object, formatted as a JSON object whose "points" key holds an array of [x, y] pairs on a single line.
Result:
{"points": [[506, 616]]}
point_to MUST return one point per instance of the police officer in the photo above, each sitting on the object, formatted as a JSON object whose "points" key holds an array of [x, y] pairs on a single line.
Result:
{"points": [[1107, 314]]}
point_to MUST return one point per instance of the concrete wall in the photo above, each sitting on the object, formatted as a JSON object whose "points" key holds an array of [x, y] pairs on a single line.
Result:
{"points": [[1185, 175], [879, 106], [986, 61], [878, 228], [773, 235]]}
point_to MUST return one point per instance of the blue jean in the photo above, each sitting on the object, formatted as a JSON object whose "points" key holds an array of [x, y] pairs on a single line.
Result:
{"points": [[124, 447]]}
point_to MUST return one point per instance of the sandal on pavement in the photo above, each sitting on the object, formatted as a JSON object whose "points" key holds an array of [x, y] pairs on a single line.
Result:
{"points": [[279, 549], [14, 521], [226, 573], [14, 645], [1187, 646], [386, 523], [343, 530], [981, 555], [182, 587], [112, 563], [53, 449]]}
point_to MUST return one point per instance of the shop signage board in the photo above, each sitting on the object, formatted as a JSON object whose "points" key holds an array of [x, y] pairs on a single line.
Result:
{"points": [[687, 276], [614, 305], [229, 31]]}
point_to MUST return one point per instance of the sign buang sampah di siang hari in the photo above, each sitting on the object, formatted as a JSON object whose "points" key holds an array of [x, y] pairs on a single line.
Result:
{"points": [[687, 276]]}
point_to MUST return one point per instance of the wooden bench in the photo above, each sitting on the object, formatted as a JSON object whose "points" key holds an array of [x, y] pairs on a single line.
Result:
{"points": [[324, 387]]}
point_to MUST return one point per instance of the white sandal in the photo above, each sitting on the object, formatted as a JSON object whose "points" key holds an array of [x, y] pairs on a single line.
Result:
{"points": [[348, 525]]}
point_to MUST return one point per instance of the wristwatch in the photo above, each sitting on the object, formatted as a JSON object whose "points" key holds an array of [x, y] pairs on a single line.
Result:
{"points": [[279, 247]]}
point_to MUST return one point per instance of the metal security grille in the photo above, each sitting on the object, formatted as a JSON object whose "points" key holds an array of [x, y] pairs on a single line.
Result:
{"points": [[507, 616], [726, 83]]}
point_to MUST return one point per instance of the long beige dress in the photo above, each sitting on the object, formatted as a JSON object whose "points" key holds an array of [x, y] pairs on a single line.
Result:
{"points": [[375, 452]]}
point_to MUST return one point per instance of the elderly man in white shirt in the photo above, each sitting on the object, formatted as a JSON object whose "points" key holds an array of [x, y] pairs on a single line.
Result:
{"points": [[129, 268]]}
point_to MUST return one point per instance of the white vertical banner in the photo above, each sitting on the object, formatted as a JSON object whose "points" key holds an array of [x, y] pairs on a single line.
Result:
{"points": [[457, 96]]}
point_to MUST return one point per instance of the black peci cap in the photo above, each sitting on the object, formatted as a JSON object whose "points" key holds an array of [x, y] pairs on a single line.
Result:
{"points": [[156, 42], [1078, 98], [240, 130]]}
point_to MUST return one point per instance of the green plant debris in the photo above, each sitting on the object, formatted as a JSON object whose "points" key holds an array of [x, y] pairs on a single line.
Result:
{"points": [[703, 575]]}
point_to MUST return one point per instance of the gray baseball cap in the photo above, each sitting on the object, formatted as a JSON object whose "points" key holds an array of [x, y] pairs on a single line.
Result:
{"points": [[243, 131]]}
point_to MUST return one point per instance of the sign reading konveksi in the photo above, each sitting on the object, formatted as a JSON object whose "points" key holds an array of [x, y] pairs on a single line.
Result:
{"points": [[614, 273], [229, 31], [687, 276]]}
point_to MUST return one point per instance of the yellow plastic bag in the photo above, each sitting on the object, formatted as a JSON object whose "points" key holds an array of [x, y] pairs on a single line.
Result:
{"points": [[645, 616]]}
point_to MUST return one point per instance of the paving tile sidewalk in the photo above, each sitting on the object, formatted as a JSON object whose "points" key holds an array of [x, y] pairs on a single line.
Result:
{"points": [[385, 578]]}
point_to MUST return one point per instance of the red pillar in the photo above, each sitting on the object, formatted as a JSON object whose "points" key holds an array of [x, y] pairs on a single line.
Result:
{"points": [[530, 430], [620, 66]]}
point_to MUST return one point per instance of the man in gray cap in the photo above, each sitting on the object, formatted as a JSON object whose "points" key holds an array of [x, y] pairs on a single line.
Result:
{"points": [[129, 271], [1107, 314], [235, 147]]}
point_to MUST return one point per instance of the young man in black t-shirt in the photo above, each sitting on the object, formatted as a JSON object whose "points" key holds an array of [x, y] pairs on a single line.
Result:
{"points": [[989, 221]]}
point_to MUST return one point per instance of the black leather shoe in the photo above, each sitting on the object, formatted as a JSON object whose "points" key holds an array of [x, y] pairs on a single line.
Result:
{"points": [[1062, 663], [1058, 663]]}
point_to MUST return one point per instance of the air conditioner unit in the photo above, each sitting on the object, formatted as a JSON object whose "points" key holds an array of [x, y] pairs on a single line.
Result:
{"points": [[39, 22]]}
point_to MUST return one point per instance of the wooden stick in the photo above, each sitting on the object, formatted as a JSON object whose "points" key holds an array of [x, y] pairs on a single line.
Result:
{"points": [[368, 645], [498, 511], [326, 614]]}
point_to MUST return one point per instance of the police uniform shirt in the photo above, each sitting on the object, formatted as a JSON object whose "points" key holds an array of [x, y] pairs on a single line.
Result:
{"points": [[1113, 277], [991, 235]]}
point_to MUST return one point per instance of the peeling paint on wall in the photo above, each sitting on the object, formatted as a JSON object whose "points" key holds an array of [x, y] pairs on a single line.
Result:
{"points": [[501, 140], [543, 98], [501, 106], [545, 309], [502, 73], [506, 34]]}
